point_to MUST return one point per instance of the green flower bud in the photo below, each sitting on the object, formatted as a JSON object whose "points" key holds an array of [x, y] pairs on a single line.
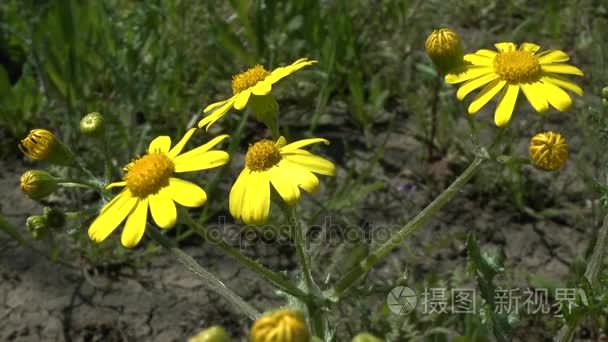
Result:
{"points": [[605, 102], [92, 124], [266, 110], [445, 50], [37, 226], [366, 337], [55, 218], [605, 92], [41, 144], [213, 334], [37, 184]]}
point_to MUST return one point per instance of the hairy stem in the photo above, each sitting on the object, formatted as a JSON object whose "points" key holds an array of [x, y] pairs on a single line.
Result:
{"points": [[210, 280], [274, 278], [412, 226]]}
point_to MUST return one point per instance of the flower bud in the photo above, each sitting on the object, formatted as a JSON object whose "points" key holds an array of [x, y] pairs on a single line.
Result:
{"points": [[37, 184], [605, 102], [92, 124], [37, 226], [366, 337], [284, 325], [213, 334], [548, 151], [445, 49], [605, 92], [55, 218], [41, 144]]}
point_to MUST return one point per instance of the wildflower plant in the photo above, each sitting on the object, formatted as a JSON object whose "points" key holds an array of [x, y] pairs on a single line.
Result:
{"points": [[276, 172]]}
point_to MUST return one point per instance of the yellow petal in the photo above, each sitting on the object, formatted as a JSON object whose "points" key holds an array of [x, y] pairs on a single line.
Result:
{"points": [[480, 60], [558, 98], [466, 73], [237, 194], [281, 72], [560, 68], [302, 143], [506, 105], [304, 178], [241, 99], [135, 226], [201, 149], [562, 82], [283, 182], [281, 142], [530, 47], [116, 184], [474, 84], [185, 193], [552, 56], [261, 88], [535, 94], [112, 215], [210, 119], [504, 47], [160, 145], [216, 105], [177, 149], [486, 95], [486, 53], [257, 198], [163, 209], [313, 163], [203, 161]]}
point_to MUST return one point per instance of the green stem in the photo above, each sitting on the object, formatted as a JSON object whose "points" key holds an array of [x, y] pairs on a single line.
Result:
{"points": [[314, 311], [276, 279], [208, 278], [592, 274], [416, 223]]}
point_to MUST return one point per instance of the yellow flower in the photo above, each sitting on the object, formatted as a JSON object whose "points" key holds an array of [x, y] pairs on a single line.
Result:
{"points": [[149, 182], [287, 167], [548, 151], [444, 48], [254, 83], [280, 326], [41, 144], [511, 69]]}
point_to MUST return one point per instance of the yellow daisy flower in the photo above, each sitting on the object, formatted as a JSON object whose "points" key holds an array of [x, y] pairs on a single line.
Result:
{"points": [[149, 183], [248, 86], [511, 69], [286, 166]]}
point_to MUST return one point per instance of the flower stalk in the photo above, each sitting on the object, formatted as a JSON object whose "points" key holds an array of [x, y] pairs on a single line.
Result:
{"points": [[412, 226], [210, 280]]}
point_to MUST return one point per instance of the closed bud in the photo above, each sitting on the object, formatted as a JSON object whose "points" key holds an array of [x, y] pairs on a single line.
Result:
{"points": [[605, 92], [37, 184], [366, 337], [92, 124], [213, 334], [548, 151], [284, 325], [55, 218], [445, 49], [42, 145], [605, 102], [37, 226]]}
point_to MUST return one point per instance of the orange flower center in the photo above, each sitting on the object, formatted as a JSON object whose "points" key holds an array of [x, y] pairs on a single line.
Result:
{"points": [[148, 174], [248, 79], [517, 67], [262, 155]]}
